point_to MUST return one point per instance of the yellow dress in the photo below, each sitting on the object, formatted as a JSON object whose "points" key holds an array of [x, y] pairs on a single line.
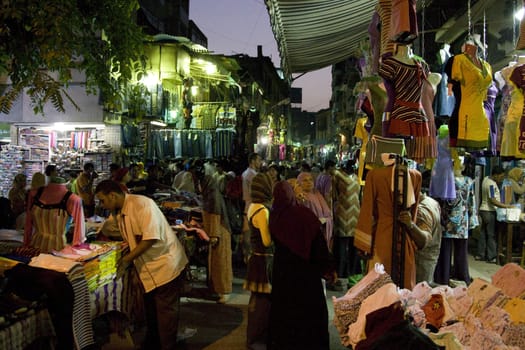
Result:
{"points": [[473, 125]]}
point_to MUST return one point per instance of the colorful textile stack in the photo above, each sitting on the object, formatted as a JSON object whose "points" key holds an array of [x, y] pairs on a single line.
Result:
{"points": [[486, 315], [99, 259]]}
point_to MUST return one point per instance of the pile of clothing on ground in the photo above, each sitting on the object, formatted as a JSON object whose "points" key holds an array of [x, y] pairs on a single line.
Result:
{"points": [[376, 314]]}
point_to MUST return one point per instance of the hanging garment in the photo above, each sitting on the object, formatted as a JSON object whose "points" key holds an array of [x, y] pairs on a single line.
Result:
{"points": [[473, 126], [384, 9], [455, 87], [51, 221], [361, 133], [518, 78], [374, 35], [442, 175], [509, 138], [428, 93], [445, 103], [378, 145], [504, 89], [488, 104], [374, 231], [403, 25], [407, 118]]}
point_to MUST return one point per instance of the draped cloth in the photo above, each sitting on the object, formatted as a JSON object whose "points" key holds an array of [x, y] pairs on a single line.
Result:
{"points": [[374, 231]]}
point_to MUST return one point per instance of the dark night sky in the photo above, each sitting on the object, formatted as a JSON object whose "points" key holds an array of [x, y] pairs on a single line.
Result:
{"points": [[238, 26]]}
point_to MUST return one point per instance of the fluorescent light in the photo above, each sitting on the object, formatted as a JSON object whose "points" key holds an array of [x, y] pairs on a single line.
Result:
{"points": [[158, 123], [519, 14]]}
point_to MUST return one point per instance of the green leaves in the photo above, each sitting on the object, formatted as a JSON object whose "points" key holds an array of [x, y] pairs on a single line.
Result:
{"points": [[39, 37]]}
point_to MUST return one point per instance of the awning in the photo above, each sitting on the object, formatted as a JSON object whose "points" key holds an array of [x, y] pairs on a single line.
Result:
{"points": [[313, 34]]}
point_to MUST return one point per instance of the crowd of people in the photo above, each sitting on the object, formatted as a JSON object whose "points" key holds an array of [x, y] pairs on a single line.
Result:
{"points": [[292, 226]]}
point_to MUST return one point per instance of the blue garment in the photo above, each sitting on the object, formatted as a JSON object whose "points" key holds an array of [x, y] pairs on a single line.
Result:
{"points": [[442, 184], [445, 103], [488, 104]]}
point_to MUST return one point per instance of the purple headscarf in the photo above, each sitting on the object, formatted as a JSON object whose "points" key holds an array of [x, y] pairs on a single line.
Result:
{"points": [[292, 224]]}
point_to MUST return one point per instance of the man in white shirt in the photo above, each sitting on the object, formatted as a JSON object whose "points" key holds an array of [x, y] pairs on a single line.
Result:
{"points": [[157, 255], [490, 200]]}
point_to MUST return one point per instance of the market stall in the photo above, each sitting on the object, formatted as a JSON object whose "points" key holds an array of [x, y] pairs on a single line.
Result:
{"points": [[484, 315]]}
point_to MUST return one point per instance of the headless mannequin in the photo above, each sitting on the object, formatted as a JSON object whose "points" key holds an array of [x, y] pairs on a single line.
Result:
{"points": [[404, 54]]}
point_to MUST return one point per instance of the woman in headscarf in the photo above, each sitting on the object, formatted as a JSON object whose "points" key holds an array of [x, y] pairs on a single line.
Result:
{"points": [[217, 226], [258, 280], [313, 199], [298, 316]]}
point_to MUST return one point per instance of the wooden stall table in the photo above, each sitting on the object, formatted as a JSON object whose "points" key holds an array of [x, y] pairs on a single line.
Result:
{"points": [[507, 230]]}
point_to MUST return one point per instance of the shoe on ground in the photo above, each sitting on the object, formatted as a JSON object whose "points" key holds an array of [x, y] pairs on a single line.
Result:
{"points": [[479, 258], [492, 261], [223, 298]]}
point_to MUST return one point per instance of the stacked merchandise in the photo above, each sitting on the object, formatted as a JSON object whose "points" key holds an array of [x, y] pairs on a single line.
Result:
{"points": [[99, 260], [486, 315], [11, 158]]}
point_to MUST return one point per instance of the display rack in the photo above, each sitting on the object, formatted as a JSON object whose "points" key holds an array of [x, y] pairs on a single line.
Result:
{"points": [[36, 151], [11, 158]]}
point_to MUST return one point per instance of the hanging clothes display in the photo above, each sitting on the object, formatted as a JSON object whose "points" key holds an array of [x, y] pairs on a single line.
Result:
{"points": [[488, 104], [428, 93], [445, 100], [518, 78], [474, 81], [403, 21], [405, 118], [361, 133], [501, 77], [224, 140], [458, 216], [384, 9], [374, 35], [374, 231], [442, 176]]}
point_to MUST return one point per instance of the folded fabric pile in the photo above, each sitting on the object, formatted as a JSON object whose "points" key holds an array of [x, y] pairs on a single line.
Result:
{"points": [[486, 315], [99, 259]]}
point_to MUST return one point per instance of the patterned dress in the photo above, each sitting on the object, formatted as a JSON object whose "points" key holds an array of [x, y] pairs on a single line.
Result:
{"points": [[407, 118], [460, 214]]}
